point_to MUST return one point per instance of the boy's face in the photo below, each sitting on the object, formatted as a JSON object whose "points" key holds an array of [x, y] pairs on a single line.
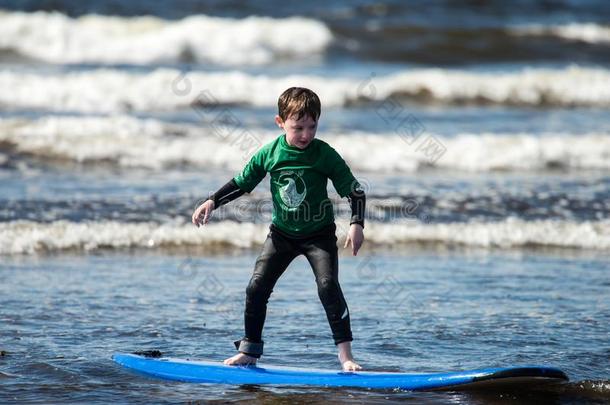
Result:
{"points": [[299, 133]]}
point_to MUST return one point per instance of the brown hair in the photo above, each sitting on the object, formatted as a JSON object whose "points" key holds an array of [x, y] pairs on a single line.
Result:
{"points": [[297, 102]]}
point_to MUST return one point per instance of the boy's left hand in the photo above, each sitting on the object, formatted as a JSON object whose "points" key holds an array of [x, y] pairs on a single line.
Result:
{"points": [[355, 236]]}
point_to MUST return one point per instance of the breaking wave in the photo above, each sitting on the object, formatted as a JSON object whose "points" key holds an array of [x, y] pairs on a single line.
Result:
{"points": [[27, 237], [57, 38], [130, 142], [585, 32], [107, 90]]}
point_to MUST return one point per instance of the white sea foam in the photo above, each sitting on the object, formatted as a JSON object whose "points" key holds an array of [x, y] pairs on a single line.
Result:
{"points": [[56, 38], [26, 237], [31, 237], [108, 90], [510, 233], [476, 152], [129, 142], [585, 32]]}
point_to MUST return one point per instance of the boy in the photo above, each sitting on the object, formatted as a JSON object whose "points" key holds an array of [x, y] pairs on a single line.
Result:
{"points": [[302, 220]]}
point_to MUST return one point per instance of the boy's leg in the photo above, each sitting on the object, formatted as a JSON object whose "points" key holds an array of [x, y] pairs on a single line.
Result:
{"points": [[276, 255], [321, 254], [323, 258]]}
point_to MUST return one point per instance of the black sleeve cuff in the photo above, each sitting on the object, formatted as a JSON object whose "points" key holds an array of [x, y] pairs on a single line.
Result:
{"points": [[357, 201], [226, 194]]}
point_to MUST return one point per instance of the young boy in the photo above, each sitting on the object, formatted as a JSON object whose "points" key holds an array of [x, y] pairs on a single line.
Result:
{"points": [[302, 220]]}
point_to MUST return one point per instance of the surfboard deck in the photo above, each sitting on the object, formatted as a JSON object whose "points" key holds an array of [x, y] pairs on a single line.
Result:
{"points": [[203, 371]]}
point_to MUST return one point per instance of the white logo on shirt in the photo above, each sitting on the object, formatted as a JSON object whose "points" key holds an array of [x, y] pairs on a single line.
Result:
{"points": [[289, 193]]}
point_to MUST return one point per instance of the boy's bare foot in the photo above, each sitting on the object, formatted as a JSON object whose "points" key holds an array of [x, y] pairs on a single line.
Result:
{"points": [[350, 365], [346, 358], [240, 359]]}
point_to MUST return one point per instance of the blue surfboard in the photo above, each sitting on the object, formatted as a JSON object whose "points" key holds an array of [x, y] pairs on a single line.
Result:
{"points": [[202, 371]]}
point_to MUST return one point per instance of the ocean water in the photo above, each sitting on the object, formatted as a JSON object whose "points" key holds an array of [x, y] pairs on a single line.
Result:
{"points": [[480, 132], [418, 311]]}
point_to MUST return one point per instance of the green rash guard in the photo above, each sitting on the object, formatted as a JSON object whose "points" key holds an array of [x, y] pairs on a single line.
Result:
{"points": [[298, 183]]}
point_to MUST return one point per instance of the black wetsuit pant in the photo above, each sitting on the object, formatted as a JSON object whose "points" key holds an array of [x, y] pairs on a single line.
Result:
{"points": [[279, 250]]}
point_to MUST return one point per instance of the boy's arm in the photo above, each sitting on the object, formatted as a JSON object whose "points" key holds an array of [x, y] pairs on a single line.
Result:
{"points": [[357, 201], [244, 182], [224, 195], [347, 186], [355, 236]]}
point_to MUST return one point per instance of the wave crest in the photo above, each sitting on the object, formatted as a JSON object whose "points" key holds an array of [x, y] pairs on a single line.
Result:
{"points": [[107, 90], [129, 142], [27, 237], [584, 32], [56, 38]]}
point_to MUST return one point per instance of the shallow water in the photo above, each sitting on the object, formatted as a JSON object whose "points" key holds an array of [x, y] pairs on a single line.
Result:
{"points": [[420, 310]]}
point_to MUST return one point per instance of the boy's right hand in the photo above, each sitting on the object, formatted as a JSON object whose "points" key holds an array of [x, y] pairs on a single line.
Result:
{"points": [[202, 214]]}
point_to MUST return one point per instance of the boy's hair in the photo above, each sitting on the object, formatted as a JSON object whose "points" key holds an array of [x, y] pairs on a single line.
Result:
{"points": [[297, 102]]}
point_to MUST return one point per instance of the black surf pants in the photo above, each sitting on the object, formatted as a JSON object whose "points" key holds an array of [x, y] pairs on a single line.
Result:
{"points": [[278, 251]]}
